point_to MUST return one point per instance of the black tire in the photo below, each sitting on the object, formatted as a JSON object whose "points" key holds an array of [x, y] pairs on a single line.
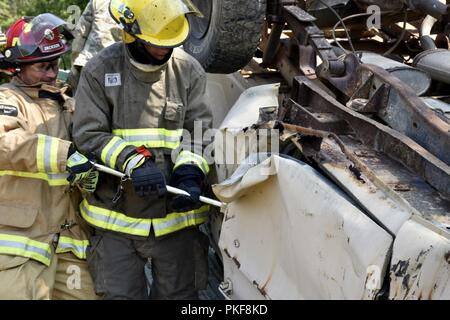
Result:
{"points": [[227, 38]]}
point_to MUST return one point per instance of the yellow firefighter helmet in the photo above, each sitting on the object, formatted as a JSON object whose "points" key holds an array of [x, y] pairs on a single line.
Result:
{"points": [[160, 23]]}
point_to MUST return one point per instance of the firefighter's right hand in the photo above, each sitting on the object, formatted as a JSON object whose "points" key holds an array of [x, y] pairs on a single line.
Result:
{"points": [[81, 171], [147, 178]]}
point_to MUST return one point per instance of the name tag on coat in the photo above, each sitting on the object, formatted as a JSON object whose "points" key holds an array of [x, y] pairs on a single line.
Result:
{"points": [[7, 110], [113, 80]]}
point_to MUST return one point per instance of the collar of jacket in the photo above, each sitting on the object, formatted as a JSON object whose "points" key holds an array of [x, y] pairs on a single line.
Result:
{"points": [[144, 72], [40, 90]]}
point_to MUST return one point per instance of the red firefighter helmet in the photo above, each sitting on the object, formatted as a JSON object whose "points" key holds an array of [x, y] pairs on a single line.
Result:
{"points": [[37, 39]]}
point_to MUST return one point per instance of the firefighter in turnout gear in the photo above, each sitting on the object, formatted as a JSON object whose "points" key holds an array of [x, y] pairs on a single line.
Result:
{"points": [[43, 239], [134, 101]]}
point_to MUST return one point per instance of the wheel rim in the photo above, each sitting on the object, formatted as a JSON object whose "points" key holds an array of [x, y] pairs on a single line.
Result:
{"points": [[200, 26]]}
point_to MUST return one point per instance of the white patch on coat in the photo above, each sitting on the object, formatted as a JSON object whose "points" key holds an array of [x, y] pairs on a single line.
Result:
{"points": [[113, 80]]}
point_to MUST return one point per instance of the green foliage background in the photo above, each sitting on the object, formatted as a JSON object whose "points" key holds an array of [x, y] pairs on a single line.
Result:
{"points": [[10, 10]]}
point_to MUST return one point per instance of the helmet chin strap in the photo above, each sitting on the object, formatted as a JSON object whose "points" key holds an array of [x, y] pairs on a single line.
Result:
{"points": [[141, 55]]}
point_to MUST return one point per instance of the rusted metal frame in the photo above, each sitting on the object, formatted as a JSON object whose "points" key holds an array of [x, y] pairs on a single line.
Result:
{"points": [[372, 105], [274, 12], [281, 60], [325, 134], [362, 89], [307, 33], [273, 43], [287, 69], [378, 136], [349, 79], [310, 40], [417, 120], [284, 64], [308, 61], [308, 118]]}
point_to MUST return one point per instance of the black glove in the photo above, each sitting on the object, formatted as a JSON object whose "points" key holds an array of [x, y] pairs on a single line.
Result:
{"points": [[192, 180], [148, 180]]}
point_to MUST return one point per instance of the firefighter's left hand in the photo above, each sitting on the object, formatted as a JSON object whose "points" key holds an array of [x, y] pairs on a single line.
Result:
{"points": [[192, 180], [82, 172]]}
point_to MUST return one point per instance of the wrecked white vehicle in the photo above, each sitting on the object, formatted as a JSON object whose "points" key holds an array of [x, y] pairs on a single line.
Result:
{"points": [[351, 200]]}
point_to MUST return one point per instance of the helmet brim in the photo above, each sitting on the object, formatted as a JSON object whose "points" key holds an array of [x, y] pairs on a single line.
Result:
{"points": [[43, 58]]}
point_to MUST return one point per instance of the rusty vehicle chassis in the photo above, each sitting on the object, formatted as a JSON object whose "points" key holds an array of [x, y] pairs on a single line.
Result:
{"points": [[349, 78], [421, 146], [368, 145]]}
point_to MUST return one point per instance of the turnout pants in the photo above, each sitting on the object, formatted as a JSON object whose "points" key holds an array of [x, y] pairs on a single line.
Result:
{"points": [[179, 265], [67, 278]]}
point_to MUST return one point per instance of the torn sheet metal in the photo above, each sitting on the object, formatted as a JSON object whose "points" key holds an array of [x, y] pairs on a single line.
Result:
{"points": [[223, 90], [233, 143], [245, 111], [294, 235], [420, 267]]}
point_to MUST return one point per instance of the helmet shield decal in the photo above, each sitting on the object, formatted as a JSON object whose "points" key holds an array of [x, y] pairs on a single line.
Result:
{"points": [[43, 32]]}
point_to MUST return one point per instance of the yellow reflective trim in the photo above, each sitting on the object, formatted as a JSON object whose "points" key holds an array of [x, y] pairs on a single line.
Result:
{"points": [[40, 153], [77, 247], [77, 242], [148, 131], [187, 156], [151, 137], [199, 216], [25, 247], [24, 253], [155, 144], [112, 150], [54, 155], [190, 160], [22, 239], [47, 154], [115, 221], [106, 219], [53, 182]]}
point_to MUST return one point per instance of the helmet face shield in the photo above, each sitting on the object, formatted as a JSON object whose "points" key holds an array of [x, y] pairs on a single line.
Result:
{"points": [[158, 22], [43, 32], [36, 39], [157, 14]]}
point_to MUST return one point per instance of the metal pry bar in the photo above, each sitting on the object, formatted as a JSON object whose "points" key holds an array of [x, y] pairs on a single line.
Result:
{"points": [[170, 189]]}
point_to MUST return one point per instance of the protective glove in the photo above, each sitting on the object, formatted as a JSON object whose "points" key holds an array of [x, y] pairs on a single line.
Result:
{"points": [[147, 178], [82, 171], [191, 179]]}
